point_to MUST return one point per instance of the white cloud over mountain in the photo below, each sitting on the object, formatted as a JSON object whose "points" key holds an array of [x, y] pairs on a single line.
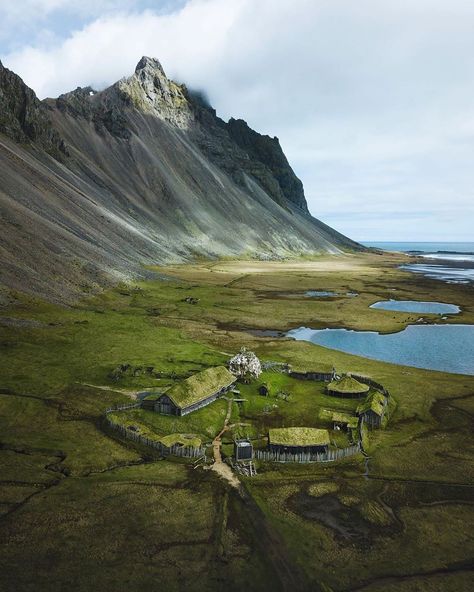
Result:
{"points": [[372, 101]]}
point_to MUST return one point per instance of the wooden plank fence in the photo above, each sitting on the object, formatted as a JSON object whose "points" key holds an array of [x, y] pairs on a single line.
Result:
{"points": [[307, 457], [281, 367], [366, 380], [122, 407], [175, 450]]}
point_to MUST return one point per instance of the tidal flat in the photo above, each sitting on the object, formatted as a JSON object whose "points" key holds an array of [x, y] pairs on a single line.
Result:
{"points": [[84, 506]]}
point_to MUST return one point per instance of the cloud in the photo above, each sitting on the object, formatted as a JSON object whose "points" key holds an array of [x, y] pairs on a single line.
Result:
{"points": [[371, 100]]}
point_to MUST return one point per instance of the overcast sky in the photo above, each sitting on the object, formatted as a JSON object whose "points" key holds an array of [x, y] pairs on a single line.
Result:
{"points": [[373, 101]]}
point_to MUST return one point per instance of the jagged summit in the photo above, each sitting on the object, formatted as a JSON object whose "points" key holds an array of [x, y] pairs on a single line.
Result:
{"points": [[149, 65], [151, 91], [97, 184]]}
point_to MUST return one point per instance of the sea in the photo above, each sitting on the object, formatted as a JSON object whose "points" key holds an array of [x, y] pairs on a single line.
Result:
{"points": [[452, 248], [451, 262]]}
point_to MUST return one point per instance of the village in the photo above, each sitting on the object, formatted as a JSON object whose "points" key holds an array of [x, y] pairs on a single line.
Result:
{"points": [[286, 414]]}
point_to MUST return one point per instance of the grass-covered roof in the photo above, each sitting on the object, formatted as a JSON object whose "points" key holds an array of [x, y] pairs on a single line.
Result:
{"points": [[298, 436], [200, 386], [374, 402], [348, 384], [181, 439], [152, 396], [350, 420]]}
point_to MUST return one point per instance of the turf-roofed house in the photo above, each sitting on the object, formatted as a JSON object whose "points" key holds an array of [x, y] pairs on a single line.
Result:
{"points": [[372, 410], [324, 373], [192, 393], [348, 387], [296, 440]]}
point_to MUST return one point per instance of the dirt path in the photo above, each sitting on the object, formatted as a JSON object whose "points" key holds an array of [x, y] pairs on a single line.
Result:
{"points": [[219, 466], [131, 394]]}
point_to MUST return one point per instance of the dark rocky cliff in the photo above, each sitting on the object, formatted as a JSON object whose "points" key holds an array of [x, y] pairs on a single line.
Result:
{"points": [[268, 151], [23, 117]]}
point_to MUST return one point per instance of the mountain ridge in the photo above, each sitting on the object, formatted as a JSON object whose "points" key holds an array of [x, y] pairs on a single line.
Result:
{"points": [[141, 172]]}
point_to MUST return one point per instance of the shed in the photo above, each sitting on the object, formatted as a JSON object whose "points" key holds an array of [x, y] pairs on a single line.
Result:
{"points": [[193, 393], [298, 439], [348, 387], [372, 410], [344, 420], [243, 450]]}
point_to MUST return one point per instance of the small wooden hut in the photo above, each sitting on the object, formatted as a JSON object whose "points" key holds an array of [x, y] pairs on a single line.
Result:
{"points": [[347, 387], [243, 450], [344, 421], [192, 393], [372, 410], [298, 439]]}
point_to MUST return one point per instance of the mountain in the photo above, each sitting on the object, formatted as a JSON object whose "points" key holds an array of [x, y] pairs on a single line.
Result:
{"points": [[95, 185]]}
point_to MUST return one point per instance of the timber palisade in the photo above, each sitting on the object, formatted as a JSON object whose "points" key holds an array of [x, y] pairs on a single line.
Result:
{"points": [[283, 444]]}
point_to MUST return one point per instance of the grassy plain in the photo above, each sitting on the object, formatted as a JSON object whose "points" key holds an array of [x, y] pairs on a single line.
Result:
{"points": [[80, 510]]}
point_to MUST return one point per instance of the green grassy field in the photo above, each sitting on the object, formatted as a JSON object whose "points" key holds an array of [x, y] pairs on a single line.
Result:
{"points": [[80, 510]]}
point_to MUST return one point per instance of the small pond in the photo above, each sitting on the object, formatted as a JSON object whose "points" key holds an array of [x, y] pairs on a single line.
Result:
{"points": [[319, 294], [417, 306], [328, 294], [449, 348]]}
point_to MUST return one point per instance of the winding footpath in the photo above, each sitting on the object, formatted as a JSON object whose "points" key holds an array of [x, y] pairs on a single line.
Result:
{"points": [[219, 466]]}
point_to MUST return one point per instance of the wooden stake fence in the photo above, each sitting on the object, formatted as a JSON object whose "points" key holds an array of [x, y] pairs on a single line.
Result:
{"points": [[307, 457], [175, 450]]}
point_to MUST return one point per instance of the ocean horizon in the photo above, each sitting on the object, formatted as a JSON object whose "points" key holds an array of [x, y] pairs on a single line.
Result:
{"points": [[423, 246]]}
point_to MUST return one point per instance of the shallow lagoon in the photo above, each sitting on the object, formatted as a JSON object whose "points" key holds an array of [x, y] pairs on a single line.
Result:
{"points": [[449, 348], [417, 306], [446, 273]]}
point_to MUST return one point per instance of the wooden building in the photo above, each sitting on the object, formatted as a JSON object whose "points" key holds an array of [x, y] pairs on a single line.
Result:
{"points": [[373, 409], [347, 387], [298, 439], [192, 393], [243, 450], [322, 374], [344, 421]]}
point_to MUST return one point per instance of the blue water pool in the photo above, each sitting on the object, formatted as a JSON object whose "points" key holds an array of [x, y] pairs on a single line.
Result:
{"points": [[328, 294], [417, 306], [449, 348], [319, 294]]}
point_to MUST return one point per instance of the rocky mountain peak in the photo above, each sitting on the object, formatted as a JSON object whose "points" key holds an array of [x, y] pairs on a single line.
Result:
{"points": [[148, 66], [153, 176], [151, 91]]}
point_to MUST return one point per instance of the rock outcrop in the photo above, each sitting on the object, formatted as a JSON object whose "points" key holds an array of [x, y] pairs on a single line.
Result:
{"points": [[95, 185], [24, 118]]}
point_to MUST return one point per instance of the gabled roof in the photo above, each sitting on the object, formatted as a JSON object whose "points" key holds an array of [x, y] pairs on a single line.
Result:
{"points": [[374, 402], [298, 437], [348, 384], [200, 386], [350, 420]]}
